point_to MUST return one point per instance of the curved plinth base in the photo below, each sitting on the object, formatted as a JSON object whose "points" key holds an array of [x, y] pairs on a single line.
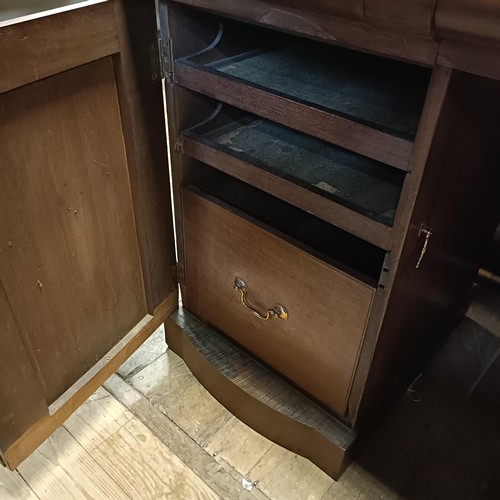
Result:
{"points": [[259, 397]]}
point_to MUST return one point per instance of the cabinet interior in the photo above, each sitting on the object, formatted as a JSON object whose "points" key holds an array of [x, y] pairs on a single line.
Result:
{"points": [[329, 243], [359, 183], [379, 92]]}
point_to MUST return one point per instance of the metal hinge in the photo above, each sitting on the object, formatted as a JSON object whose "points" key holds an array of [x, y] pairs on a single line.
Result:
{"points": [[384, 275], [179, 145], [164, 61]]}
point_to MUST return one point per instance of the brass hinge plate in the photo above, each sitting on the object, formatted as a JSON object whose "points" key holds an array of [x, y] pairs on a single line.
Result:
{"points": [[162, 65]]}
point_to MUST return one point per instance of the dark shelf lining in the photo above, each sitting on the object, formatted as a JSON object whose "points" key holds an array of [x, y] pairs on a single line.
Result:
{"points": [[335, 246], [356, 182], [378, 92]]}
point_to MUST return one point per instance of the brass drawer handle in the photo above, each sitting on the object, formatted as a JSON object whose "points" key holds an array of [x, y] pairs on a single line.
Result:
{"points": [[277, 311]]}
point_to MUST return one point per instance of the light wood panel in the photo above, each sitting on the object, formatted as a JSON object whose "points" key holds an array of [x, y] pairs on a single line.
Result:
{"points": [[43, 47], [69, 260], [97, 419], [239, 445], [282, 475], [157, 473], [13, 487], [224, 480], [62, 469], [168, 384], [151, 350]]}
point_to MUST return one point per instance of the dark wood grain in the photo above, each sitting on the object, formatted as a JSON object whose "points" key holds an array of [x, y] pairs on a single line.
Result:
{"points": [[387, 33], [143, 119], [324, 125], [258, 396], [430, 118], [43, 47], [457, 200], [468, 21], [478, 58], [21, 399], [318, 205], [69, 261], [409, 433], [464, 462], [327, 309]]}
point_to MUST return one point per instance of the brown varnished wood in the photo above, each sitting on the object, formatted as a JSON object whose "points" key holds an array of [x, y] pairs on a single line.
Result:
{"points": [[42, 428], [327, 308], [72, 271], [436, 96], [259, 397], [468, 21], [479, 59], [457, 200], [43, 47], [343, 132], [142, 114], [328, 210], [20, 406], [325, 24]]}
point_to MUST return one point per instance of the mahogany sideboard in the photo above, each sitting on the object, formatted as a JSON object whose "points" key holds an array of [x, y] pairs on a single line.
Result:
{"points": [[332, 168]]}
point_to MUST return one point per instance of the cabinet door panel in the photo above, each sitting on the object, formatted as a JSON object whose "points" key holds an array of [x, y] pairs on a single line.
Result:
{"points": [[83, 185]]}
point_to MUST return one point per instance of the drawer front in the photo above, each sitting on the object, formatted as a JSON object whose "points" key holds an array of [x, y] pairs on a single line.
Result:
{"points": [[317, 346]]}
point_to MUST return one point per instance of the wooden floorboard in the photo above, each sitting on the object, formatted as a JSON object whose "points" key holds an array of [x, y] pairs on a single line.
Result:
{"points": [[14, 487], [226, 483], [61, 469]]}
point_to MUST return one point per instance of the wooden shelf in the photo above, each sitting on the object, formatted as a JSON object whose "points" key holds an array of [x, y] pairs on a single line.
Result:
{"points": [[360, 102], [352, 192]]}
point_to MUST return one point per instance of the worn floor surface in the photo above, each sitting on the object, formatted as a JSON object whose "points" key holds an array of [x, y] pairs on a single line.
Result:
{"points": [[153, 432]]}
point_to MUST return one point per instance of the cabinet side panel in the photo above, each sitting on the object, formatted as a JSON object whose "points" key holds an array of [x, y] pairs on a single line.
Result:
{"points": [[457, 202], [22, 400], [143, 120], [68, 251]]}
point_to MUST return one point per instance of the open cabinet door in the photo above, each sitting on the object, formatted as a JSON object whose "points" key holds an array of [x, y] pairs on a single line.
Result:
{"points": [[87, 259]]}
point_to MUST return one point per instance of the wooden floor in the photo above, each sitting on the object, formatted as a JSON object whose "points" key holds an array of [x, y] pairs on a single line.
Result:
{"points": [[153, 432]]}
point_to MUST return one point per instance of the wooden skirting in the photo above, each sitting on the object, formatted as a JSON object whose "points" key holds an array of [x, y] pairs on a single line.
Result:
{"points": [[62, 409], [258, 397]]}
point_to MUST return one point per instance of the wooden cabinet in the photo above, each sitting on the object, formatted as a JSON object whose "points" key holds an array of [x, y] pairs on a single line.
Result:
{"points": [[333, 189]]}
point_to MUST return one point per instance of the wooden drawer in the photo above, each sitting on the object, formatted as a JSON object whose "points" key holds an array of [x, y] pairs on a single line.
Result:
{"points": [[317, 346]]}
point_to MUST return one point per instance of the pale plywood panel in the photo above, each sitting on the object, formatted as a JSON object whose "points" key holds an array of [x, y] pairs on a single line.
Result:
{"points": [[283, 475], [13, 487], [152, 349], [61, 469], [146, 468], [172, 388], [97, 419], [221, 477], [239, 445]]}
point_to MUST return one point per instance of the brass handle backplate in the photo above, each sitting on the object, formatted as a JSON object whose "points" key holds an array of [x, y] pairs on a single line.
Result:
{"points": [[427, 231], [277, 311]]}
